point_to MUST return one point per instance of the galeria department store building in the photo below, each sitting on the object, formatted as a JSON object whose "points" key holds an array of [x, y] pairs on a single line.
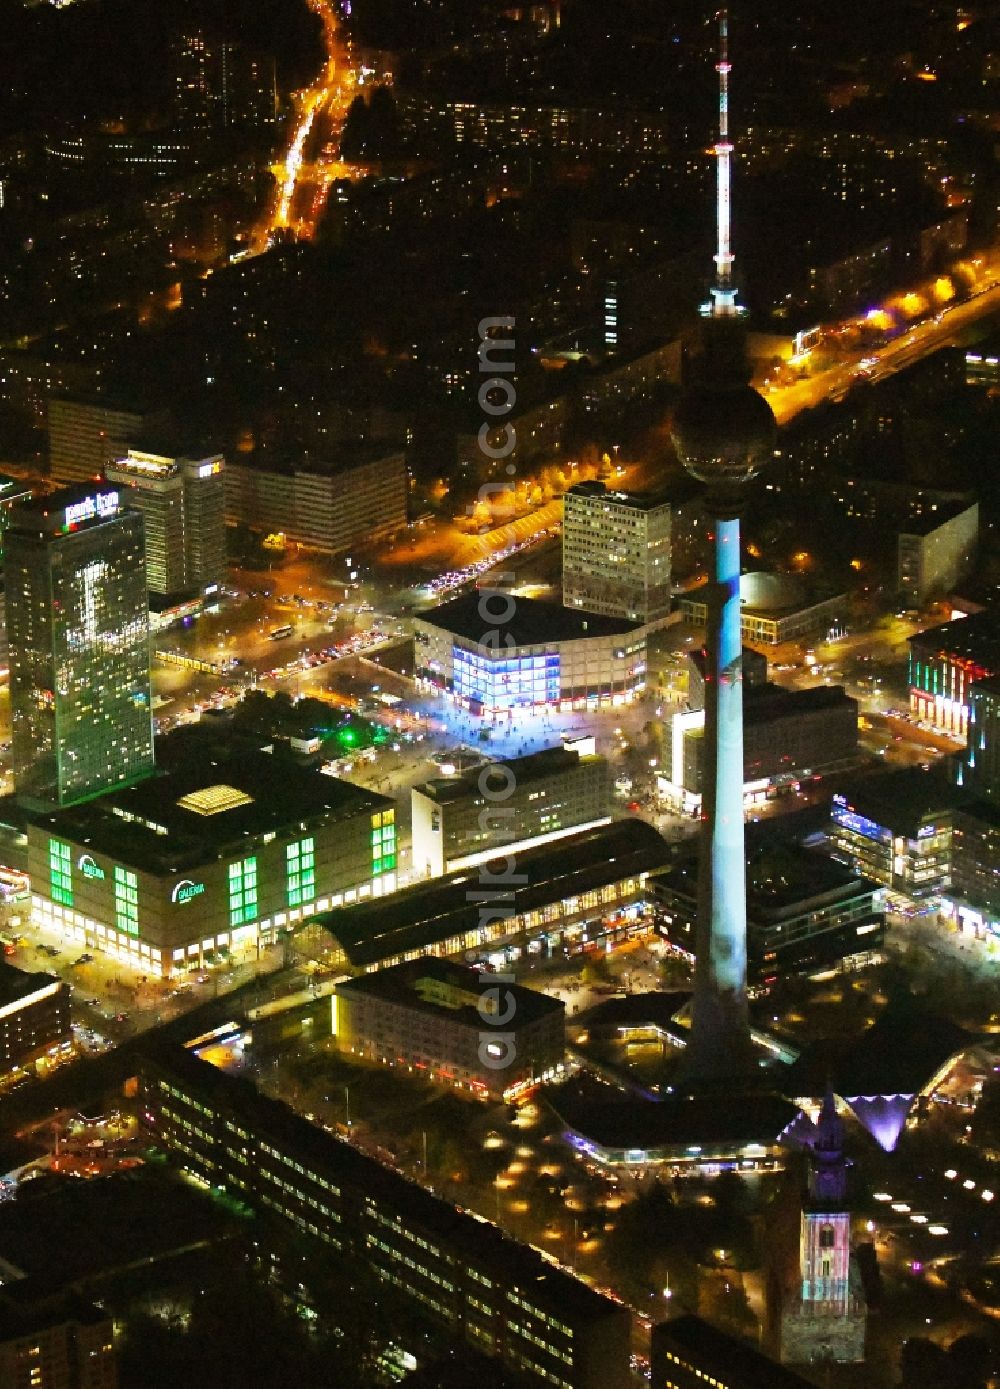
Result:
{"points": [[209, 863]]}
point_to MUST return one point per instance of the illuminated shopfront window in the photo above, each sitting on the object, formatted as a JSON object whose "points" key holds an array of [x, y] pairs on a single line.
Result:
{"points": [[60, 873], [383, 842], [126, 901], [300, 871], [243, 891], [506, 684]]}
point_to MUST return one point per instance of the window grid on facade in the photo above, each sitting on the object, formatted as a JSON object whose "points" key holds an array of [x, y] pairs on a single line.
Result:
{"points": [[300, 871], [60, 872], [243, 891], [383, 842], [126, 901]]}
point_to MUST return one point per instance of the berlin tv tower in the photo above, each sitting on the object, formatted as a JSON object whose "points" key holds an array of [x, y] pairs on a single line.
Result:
{"points": [[724, 433]]}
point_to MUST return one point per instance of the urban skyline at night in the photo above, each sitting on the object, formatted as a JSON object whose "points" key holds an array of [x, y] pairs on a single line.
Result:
{"points": [[498, 694]]}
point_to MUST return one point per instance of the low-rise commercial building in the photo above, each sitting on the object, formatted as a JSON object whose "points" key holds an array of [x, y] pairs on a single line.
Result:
{"points": [[493, 654], [34, 1015], [460, 1271], [461, 819], [560, 897], [210, 862], [897, 830], [696, 1132], [804, 912], [688, 1353], [972, 902], [329, 507], [945, 662], [774, 608], [787, 734], [448, 1023]]}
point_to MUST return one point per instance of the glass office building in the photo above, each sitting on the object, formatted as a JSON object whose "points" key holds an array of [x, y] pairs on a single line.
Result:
{"points": [[78, 629]]}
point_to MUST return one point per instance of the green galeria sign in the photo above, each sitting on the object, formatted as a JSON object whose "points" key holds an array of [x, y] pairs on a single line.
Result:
{"points": [[185, 890], [89, 866]]}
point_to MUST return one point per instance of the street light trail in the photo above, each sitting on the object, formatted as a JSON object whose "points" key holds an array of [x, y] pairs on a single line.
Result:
{"points": [[321, 107]]}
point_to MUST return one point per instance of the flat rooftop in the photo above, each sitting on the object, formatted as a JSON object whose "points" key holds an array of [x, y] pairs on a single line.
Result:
{"points": [[683, 490], [537, 766], [901, 799], [655, 1009], [175, 820], [142, 1215], [428, 912], [930, 520], [532, 623], [81, 505], [766, 702], [681, 1121], [348, 456], [781, 879], [719, 1354], [16, 984], [479, 1242], [975, 638], [422, 984]]}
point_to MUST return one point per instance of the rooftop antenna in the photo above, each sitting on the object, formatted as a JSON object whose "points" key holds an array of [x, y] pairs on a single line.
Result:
{"points": [[723, 302]]}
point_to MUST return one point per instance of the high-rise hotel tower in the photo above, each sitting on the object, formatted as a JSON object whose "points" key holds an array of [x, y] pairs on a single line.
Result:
{"points": [[724, 433], [78, 629]]}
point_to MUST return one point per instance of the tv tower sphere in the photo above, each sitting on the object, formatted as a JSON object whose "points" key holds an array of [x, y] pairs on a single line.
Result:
{"points": [[724, 433], [723, 430]]}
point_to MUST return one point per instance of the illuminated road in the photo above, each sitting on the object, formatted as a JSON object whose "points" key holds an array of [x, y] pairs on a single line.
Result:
{"points": [[916, 342], [309, 166]]}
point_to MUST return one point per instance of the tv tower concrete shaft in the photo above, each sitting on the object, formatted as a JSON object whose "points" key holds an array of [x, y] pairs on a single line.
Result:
{"points": [[720, 1032], [724, 433]]}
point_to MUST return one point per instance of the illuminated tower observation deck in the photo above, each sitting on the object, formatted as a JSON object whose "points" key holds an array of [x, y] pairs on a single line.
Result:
{"points": [[724, 433]]}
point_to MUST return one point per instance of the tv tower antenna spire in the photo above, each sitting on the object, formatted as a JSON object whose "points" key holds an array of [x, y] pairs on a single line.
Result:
{"points": [[723, 302]]}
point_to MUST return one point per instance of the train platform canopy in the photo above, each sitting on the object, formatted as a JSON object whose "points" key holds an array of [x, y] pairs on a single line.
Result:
{"points": [[419, 917]]}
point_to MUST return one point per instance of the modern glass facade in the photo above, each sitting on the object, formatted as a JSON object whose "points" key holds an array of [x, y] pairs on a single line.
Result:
{"points": [[126, 901], [383, 842], [510, 684], [243, 891], [300, 871], [78, 626], [60, 872]]}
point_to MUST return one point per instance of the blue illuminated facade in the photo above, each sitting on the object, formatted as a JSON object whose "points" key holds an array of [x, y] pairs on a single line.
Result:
{"points": [[858, 824], [514, 682]]}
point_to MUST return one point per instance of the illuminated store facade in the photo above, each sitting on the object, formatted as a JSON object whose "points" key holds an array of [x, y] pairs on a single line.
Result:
{"points": [[492, 655], [945, 662], [166, 882]]}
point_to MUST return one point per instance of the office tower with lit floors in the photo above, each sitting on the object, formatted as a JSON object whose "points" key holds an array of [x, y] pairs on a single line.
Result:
{"points": [[78, 628], [724, 432], [183, 506]]}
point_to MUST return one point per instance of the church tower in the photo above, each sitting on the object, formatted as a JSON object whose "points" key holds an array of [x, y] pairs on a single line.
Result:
{"points": [[824, 1317]]}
